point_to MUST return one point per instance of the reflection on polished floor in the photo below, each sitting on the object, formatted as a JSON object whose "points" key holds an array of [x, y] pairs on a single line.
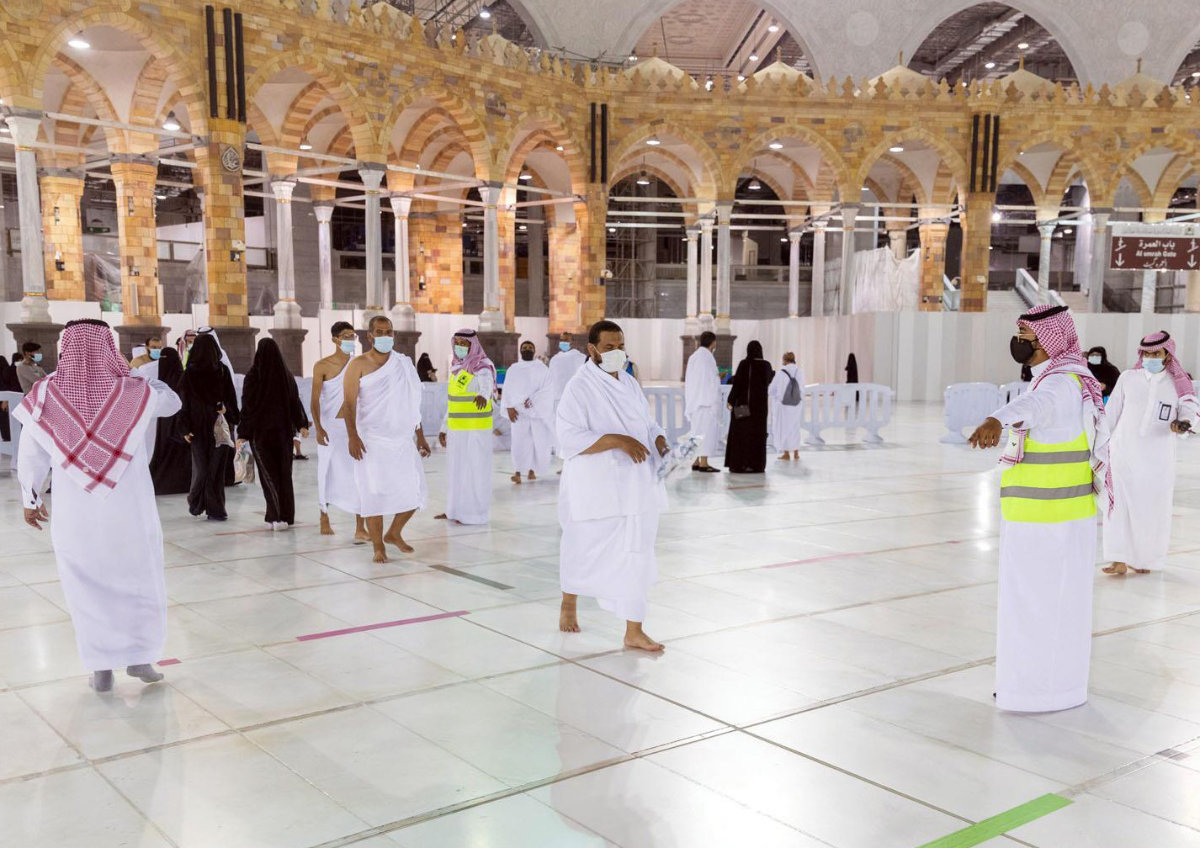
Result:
{"points": [[827, 680]]}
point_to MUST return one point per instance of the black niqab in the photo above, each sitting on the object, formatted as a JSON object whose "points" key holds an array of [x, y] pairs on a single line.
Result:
{"points": [[1105, 373], [270, 399], [170, 368], [425, 368], [205, 374]]}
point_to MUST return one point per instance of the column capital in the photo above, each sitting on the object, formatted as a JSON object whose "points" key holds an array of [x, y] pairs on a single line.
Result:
{"points": [[24, 128], [372, 175], [706, 225], [401, 206], [692, 233], [324, 212], [849, 215], [282, 188], [1046, 228], [724, 210], [490, 194], [1098, 211], [794, 236]]}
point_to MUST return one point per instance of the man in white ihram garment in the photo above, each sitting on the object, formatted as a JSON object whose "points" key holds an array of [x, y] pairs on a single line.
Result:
{"points": [[87, 422], [610, 497], [336, 485], [563, 365], [382, 408], [1151, 406], [528, 402], [702, 400], [786, 394], [1057, 468], [467, 432]]}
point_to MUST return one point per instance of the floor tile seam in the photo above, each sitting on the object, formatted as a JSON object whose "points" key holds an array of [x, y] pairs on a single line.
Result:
{"points": [[17, 627], [1123, 803], [137, 810]]}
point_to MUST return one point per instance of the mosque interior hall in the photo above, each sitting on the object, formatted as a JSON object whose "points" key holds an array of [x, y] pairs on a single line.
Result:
{"points": [[946, 217]]}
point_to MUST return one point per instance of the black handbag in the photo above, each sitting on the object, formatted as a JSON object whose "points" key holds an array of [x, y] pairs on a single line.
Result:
{"points": [[742, 410]]}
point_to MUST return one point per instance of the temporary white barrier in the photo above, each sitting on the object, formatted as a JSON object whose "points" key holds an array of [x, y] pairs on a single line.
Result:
{"points": [[852, 406], [666, 405], [1012, 391], [967, 404], [434, 401], [13, 399]]}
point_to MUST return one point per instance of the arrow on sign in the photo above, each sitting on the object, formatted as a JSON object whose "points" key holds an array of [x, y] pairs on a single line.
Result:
{"points": [[1119, 261]]}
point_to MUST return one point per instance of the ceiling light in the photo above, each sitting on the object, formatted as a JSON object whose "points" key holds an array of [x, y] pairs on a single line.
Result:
{"points": [[653, 141], [896, 148], [991, 247], [160, 197], [773, 28], [4, 129], [753, 57], [708, 84], [612, 229], [171, 124], [523, 227], [632, 57], [989, 65], [642, 179], [559, 148], [741, 77], [1068, 230], [865, 189], [755, 185], [997, 217], [306, 145], [776, 145], [525, 176], [783, 240], [1195, 74], [1024, 45], [78, 43], [485, 13]]}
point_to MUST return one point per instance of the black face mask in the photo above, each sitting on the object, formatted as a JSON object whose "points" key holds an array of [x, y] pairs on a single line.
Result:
{"points": [[527, 355], [1022, 350]]}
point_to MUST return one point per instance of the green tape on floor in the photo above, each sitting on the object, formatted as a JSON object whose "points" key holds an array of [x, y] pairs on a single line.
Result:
{"points": [[1001, 824]]}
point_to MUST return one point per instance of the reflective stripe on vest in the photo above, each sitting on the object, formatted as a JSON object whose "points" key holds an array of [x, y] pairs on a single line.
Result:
{"points": [[463, 413], [1052, 484]]}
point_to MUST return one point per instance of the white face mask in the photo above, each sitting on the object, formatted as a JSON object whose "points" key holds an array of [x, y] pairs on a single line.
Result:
{"points": [[461, 351], [613, 361], [1095, 360]]}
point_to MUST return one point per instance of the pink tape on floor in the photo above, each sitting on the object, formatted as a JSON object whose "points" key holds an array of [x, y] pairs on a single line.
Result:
{"points": [[328, 633]]}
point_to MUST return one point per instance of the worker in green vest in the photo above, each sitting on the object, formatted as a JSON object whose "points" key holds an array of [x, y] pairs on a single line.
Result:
{"points": [[1056, 463], [467, 431]]}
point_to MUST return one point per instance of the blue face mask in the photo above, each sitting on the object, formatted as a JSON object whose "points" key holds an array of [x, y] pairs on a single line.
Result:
{"points": [[154, 352], [37, 357], [564, 346], [384, 344], [1154, 366], [347, 347]]}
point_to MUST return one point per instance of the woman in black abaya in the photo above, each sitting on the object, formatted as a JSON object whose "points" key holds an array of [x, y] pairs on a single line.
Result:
{"points": [[207, 391], [171, 464], [271, 415], [746, 446]]}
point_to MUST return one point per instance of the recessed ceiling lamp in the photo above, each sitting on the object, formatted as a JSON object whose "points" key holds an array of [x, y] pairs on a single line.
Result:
{"points": [[776, 145], [773, 28], [1024, 45], [896, 148], [171, 124], [78, 43], [653, 141], [989, 65], [753, 57], [305, 144], [485, 13]]}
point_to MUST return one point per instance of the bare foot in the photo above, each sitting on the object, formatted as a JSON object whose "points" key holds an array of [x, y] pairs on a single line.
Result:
{"points": [[380, 555], [399, 542], [361, 537], [516, 478], [441, 517], [532, 476], [326, 527], [568, 621], [641, 642]]}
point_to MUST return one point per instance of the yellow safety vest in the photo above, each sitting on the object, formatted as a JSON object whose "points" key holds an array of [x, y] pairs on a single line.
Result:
{"points": [[1052, 484], [464, 414]]}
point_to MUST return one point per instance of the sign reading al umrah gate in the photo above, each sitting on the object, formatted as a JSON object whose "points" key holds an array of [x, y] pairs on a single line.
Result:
{"points": [[1163, 247]]}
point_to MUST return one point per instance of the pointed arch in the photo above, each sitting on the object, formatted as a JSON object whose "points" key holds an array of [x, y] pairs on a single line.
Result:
{"points": [[836, 173], [706, 177]]}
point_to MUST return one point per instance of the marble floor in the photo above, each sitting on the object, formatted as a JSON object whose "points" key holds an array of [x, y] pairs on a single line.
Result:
{"points": [[827, 680]]}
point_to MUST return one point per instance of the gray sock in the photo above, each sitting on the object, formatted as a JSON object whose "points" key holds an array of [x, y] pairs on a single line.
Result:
{"points": [[144, 673], [102, 681]]}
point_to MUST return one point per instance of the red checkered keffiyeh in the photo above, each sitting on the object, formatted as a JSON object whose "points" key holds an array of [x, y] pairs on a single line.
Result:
{"points": [[89, 407], [1055, 331], [1162, 341]]}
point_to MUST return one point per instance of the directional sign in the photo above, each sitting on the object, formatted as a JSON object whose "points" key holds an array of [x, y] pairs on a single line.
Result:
{"points": [[1157, 253]]}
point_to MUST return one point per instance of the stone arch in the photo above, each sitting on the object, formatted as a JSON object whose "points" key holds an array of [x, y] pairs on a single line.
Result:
{"points": [[96, 98], [1144, 194], [945, 189], [257, 121], [1180, 169], [1041, 198], [636, 167], [802, 185], [908, 180], [542, 127], [1072, 159], [335, 86], [707, 178], [951, 157], [463, 116], [11, 88], [187, 74], [830, 158]]}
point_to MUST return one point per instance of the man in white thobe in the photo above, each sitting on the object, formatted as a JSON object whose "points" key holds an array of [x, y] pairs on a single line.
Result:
{"points": [[336, 485], [468, 432], [702, 400], [563, 366], [1151, 406], [786, 394], [382, 409], [87, 423], [1056, 463], [528, 401], [610, 498]]}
